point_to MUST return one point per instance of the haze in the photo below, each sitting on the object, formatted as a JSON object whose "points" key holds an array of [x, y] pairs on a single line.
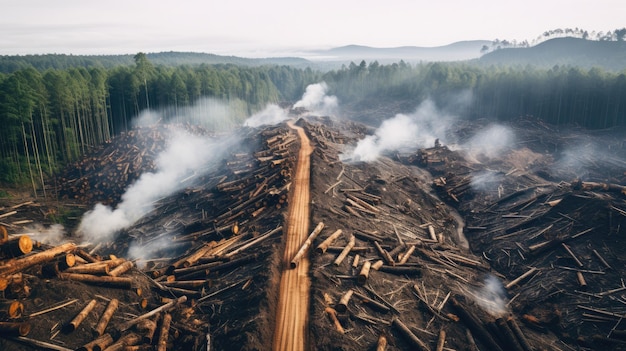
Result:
{"points": [[279, 27]]}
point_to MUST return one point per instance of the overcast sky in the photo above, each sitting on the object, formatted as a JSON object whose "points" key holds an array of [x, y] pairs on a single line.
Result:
{"points": [[257, 28]]}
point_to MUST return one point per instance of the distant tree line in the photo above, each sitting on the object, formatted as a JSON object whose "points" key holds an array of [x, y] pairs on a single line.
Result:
{"points": [[50, 117], [562, 95]]}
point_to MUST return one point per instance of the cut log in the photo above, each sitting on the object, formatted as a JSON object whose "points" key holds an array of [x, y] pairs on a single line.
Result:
{"points": [[376, 265], [98, 344], [80, 317], [25, 262], [164, 332], [4, 234], [385, 255], [342, 306], [147, 327], [85, 255], [381, 345], [474, 324], [321, 248], [406, 255], [120, 282], [401, 270], [365, 272], [355, 262], [11, 308], [581, 280], [121, 269], [345, 252], [14, 328], [53, 268], [16, 247], [409, 336], [106, 317], [98, 268], [126, 340], [519, 334], [507, 335], [294, 261]]}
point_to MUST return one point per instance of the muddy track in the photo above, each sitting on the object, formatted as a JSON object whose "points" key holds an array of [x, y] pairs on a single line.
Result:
{"points": [[291, 332]]}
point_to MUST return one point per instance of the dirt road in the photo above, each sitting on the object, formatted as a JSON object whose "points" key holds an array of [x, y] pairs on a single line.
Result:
{"points": [[292, 322]]}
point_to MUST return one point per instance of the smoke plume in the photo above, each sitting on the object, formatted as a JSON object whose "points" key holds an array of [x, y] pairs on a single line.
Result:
{"points": [[210, 113], [185, 154], [404, 132], [271, 115], [491, 142], [485, 181], [316, 101], [491, 296], [53, 235]]}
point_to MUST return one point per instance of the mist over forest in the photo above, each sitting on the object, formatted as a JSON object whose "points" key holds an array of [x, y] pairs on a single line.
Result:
{"points": [[55, 108]]}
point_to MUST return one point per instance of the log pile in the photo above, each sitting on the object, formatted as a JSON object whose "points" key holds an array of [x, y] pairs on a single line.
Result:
{"points": [[220, 232], [106, 172]]}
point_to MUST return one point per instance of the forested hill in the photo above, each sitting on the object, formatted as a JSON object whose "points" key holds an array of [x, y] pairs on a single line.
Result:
{"points": [[609, 55], [9, 64]]}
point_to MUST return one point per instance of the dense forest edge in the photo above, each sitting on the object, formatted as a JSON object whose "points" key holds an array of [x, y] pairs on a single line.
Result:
{"points": [[52, 116]]}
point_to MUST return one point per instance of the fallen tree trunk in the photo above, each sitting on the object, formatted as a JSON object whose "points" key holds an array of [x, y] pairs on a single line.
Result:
{"points": [[321, 248], [80, 317], [14, 328], [120, 282], [34, 259], [98, 344], [106, 317], [305, 246]]}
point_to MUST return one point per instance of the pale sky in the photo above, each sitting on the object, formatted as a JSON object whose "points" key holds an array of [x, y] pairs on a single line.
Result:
{"points": [[260, 28]]}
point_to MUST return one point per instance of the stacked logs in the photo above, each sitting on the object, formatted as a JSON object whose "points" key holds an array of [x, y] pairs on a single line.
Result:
{"points": [[105, 173]]}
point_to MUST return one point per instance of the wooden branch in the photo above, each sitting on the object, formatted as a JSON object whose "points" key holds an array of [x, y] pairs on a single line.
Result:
{"points": [[520, 278], [253, 242], [165, 308], [121, 269], [406, 255], [569, 251], [294, 261], [384, 254], [332, 314], [372, 303], [409, 336], [41, 344], [507, 335], [519, 334], [52, 308], [441, 341], [606, 265]]}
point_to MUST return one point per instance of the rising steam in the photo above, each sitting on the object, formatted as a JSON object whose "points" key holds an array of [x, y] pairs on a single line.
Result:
{"points": [[185, 154], [316, 101], [271, 115], [404, 132]]}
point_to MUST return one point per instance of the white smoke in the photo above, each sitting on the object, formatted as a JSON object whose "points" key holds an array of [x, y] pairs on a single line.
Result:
{"points": [[404, 132], [53, 235], [486, 181], [491, 142], [491, 296], [184, 155], [271, 115], [213, 114], [316, 101], [576, 160]]}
